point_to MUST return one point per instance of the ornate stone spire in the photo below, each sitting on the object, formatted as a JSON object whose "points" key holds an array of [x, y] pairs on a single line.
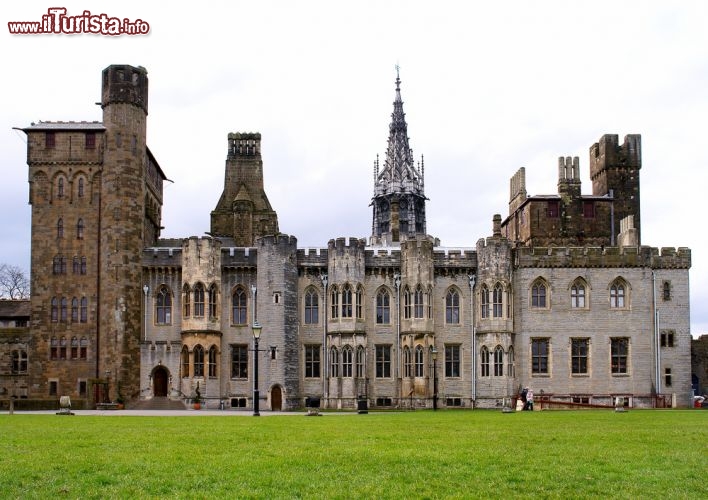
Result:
{"points": [[399, 172], [399, 196]]}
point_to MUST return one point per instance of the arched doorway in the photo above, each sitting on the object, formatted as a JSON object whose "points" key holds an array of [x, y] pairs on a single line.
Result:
{"points": [[159, 382], [276, 398]]}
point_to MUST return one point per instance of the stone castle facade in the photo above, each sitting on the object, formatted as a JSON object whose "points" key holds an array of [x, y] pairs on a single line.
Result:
{"points": [[561, 298]]}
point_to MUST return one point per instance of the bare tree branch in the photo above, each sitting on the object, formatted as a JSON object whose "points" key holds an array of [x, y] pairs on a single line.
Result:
{"points": [[13, 282]]}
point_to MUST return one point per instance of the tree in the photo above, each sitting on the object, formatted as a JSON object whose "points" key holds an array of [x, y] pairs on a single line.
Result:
{"points": [[13, 282]]}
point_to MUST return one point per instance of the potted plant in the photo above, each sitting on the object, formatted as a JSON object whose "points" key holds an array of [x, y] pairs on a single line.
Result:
{"points": [[198, 398]]}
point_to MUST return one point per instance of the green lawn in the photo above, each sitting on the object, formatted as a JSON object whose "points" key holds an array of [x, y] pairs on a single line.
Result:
{"points": [[423, 454]]}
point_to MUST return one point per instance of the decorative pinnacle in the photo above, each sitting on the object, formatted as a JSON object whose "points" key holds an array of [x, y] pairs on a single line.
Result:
{"points": [[399, 172]]}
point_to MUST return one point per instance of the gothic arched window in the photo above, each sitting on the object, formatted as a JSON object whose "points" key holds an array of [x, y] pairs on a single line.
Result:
{"points": [[347, 301], [312, 307], [198, 354], [198, 300], [239, 301], [163, 306], [383, 307], [452, 307], [538, 294]]}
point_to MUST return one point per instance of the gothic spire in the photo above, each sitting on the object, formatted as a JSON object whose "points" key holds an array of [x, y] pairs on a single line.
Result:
{"points": [[399, 172], [399, 196]]}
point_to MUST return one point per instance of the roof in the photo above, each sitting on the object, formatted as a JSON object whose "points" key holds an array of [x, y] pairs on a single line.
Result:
{"points": [[556, 197], [96, 126], [159, 168], [14, 308]]}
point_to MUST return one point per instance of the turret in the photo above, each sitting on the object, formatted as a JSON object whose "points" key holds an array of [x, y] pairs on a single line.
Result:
{"points": [[277, 311], [125, 84], [614, 171], [121, 223]]}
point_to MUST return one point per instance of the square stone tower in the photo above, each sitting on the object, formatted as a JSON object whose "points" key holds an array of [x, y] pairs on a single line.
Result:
{"points": [[96, 196]]}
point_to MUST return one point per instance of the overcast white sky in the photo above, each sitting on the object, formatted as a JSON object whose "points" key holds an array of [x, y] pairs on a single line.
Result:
{"points": [[488, 87]]}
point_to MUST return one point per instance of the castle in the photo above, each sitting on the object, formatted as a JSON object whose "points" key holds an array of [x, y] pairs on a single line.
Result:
{"points": [[561, 297]]}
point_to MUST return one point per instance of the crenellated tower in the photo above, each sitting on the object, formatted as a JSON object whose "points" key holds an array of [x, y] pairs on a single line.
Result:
{"points": [[277, 311], [121, 228], [614, 171], [243, 211], [96, 196], [399, 194]]}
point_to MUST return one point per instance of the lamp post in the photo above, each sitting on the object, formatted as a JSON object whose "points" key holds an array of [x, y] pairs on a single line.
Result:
{"points": [[472, 281], [146, 289], [435, 378], [108, 387], [325, 381], [256, 394], [399, 381]]}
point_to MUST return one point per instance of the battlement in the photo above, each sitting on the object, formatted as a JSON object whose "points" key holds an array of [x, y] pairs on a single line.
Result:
{"points": [[125, 84], [420, 239], [342, 244], [607, 153], [244, 144], [239, 257], [312, 257], [455, 257], [280, 240], [163, 255], [196, 243], [383, 257], [612, 257]]}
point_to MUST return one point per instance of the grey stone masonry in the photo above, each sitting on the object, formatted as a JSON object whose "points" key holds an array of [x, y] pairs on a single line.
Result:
{"points": [[277, 312]]}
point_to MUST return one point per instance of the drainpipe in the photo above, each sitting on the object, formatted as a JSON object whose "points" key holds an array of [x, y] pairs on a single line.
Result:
{"points": [[324, 339], [99, 277], [612, 218], [397, 283], [657, 336], [254, 322], [146, 289], [472, 280]]}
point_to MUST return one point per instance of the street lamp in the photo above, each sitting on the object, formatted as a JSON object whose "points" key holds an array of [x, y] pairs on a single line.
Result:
{"points": [[256, 328], [108, 387], [472, 281], [399, 381], [146, 289], [325, 380], [435, 378]]}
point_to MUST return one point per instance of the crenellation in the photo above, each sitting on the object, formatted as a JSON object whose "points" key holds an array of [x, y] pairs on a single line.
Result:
{"points": [[603, 257], [311, 256], [342, 244], [239, 257], [343, 321]]}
